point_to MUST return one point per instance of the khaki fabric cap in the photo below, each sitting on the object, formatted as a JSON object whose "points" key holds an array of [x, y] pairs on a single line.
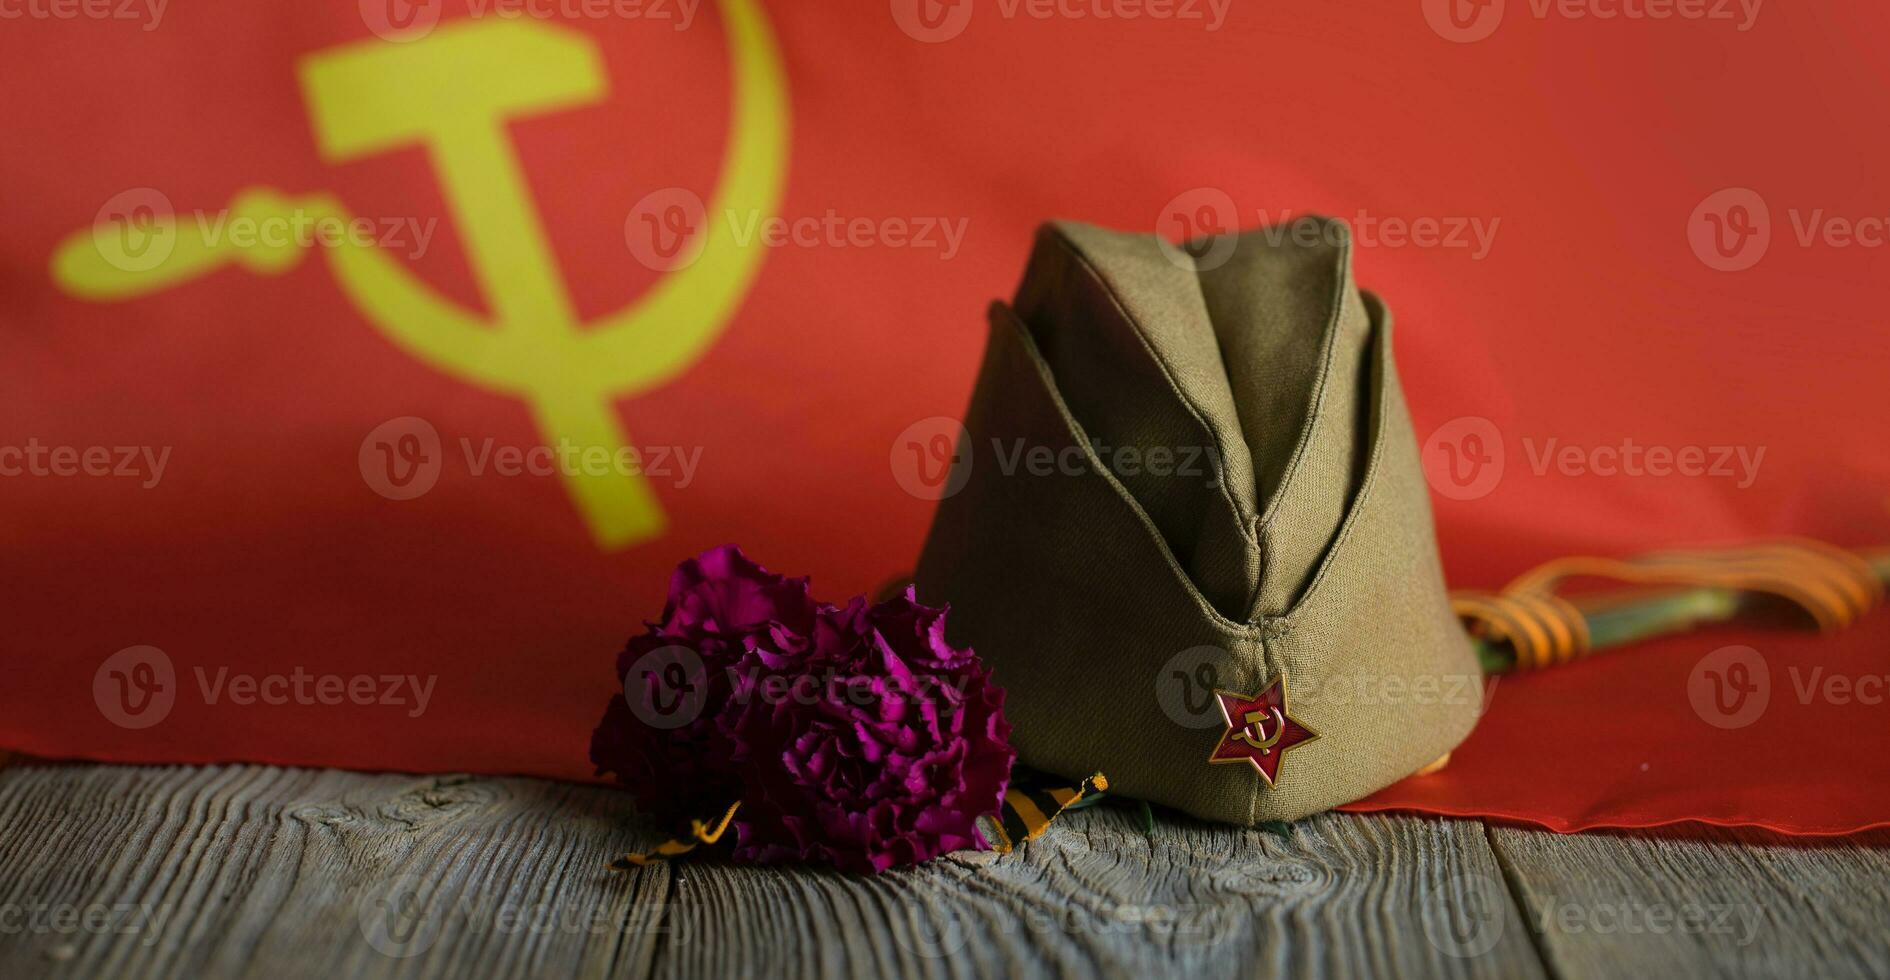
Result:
{"points": [[1188, 527]]}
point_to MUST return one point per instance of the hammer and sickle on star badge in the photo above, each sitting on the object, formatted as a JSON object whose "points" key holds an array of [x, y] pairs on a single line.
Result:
{"points": [[454, 92], [1255, 722]]}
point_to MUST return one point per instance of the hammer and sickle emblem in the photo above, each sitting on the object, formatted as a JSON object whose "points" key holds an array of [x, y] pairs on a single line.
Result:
{"points": [[454, 92], [1253, 729]]}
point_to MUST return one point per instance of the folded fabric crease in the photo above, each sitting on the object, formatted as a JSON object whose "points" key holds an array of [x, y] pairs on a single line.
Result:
{"points": [[1251, 495]]}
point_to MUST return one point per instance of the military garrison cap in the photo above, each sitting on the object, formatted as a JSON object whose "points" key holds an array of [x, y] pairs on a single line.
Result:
{"points": [[1190, 531]]}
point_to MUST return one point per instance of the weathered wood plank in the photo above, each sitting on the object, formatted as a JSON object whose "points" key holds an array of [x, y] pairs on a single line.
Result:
{"points": [[263, 872], [1344, 896], [1704, 901], [254, 871]]}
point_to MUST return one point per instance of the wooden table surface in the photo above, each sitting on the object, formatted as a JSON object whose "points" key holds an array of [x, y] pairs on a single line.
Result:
{"points": [[253, 871]]}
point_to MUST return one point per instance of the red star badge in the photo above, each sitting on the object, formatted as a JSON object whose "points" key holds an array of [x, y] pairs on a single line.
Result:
{"points": [[1259, 729]]}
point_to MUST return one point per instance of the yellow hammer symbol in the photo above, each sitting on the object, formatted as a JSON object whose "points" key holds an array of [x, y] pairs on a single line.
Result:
{"points": [[454, 93], [1255, 721]]}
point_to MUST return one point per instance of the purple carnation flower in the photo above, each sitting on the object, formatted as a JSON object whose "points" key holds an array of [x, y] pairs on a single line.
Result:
{"points": [[726, 616], [852, 735], [889, 759]]}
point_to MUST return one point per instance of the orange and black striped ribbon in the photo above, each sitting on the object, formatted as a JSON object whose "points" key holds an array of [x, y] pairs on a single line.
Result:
{"points": [[1543, 628], [700, 833], [1028, 812], [1025, 815]]}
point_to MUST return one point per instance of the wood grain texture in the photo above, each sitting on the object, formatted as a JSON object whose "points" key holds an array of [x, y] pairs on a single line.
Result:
{"points": [[1705, 901], [252, 871], [265, 872], [1344, 896]]}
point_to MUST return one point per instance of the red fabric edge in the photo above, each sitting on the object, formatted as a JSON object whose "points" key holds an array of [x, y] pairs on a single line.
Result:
{"points": [[26, 757], [1562, 826]]}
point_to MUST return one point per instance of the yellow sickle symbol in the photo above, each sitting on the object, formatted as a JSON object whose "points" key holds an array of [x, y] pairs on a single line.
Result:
{"points": [[454, 92], [1256, 721]]}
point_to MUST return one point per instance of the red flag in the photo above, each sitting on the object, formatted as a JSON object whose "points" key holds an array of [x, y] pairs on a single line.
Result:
{"points": [[367, 367]]}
